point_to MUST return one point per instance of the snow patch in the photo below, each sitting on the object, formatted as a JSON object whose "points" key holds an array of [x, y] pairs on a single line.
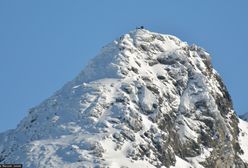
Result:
{"points": [[243, 139]]}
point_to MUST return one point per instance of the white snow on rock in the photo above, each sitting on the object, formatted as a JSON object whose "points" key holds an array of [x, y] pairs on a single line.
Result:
{"points": [[180, 163], [243, 139], [146, 100]]}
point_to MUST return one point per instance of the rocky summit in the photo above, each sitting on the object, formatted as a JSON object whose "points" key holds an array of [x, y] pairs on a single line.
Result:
{"points": [[146, 100]]}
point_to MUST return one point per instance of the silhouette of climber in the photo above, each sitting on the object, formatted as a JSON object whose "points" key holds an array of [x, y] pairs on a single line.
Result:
{"points": [[141, 27]]}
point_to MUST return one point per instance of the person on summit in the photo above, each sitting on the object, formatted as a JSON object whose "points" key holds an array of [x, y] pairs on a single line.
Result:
{"points": [[141, 27]]}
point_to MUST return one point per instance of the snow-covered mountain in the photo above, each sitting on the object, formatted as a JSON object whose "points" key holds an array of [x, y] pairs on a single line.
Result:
{"points": [[147, 100]]}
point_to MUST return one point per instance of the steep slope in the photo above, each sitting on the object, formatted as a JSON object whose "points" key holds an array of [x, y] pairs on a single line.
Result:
{"points": [[147, 100]]}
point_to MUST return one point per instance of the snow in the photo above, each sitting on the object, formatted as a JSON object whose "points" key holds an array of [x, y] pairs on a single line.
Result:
{"points": [[113, 113], [195, 161], [180, 163], [147, 99], [117, 157], [243, 139]]}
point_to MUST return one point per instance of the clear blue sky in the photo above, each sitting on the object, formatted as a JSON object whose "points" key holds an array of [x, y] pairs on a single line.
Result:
{"points": [[44, 44]]}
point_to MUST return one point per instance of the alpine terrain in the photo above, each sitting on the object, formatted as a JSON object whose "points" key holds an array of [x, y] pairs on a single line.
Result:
{"points": [[147, 100]]}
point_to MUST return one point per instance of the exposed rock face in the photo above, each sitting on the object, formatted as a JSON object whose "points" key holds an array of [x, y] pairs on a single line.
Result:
{"points": [[147, 100]]}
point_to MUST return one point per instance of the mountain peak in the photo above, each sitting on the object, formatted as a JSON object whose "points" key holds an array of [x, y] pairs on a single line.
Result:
{"points": [[116, 58], [146, 100]]}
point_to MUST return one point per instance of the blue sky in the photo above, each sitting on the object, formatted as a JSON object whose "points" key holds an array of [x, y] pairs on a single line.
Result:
{"points": [[44, 44]]}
